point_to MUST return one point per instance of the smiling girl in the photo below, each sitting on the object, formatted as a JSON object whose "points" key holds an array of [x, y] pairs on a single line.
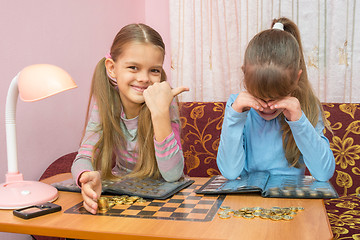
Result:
{"points": [[277, 123], [132, 121]]}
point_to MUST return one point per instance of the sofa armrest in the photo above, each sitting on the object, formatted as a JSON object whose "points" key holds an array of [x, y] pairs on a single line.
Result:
{"points": [[60, 165]]}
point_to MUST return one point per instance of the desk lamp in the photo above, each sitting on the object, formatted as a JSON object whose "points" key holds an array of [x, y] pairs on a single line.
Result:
{"points": [[33, 83]]}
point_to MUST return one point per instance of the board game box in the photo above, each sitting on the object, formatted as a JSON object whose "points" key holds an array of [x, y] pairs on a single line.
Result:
{"points": [[281, 186], [145, 188]]}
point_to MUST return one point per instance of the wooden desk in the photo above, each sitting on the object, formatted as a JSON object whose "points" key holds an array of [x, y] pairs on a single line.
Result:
{"points": [[312, 223]]}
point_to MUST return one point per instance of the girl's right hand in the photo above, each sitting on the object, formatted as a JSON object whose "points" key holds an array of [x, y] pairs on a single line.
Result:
{"points": [[90, 190], [245, 101]]}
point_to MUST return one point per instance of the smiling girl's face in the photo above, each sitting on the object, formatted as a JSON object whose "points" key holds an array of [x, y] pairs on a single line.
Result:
{"points": [[139, 66]]}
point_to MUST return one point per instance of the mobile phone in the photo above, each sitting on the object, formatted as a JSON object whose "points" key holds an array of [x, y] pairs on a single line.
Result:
{"points": [[37, 210]]}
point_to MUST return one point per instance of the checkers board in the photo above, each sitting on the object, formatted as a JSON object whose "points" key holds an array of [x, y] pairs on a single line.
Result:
{"points": [[185, 205]]}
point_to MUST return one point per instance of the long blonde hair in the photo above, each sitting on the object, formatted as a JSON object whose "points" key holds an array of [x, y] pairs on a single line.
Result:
{"points": [[272, 62], [107, 98]]}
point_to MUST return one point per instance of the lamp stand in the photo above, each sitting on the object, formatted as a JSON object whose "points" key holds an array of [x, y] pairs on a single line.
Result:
{"points": [[19, 194]]}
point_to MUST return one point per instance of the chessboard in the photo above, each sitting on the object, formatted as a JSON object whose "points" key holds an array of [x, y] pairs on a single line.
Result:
{"points": [[185, 205]]}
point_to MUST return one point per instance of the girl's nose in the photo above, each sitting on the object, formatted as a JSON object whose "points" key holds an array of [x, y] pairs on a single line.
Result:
{"points": [[143, 77]]}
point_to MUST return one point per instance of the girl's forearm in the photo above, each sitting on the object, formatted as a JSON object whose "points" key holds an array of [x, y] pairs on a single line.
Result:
{"points": [[162, 125]]}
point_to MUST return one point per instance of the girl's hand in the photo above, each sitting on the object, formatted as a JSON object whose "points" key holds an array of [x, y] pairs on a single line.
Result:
{"points": [[159, 96], [90, 190], [291, 105], [245, 101]]}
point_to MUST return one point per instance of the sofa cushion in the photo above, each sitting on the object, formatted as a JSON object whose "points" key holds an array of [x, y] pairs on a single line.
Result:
{"points": [[344, 144], [200, 136]]}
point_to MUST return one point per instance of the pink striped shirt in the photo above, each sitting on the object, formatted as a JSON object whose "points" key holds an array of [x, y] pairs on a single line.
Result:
{"points": [[168, 153]]}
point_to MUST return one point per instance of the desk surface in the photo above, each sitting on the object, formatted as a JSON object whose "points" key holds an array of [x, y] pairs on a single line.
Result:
{"points": [[308, 224]]}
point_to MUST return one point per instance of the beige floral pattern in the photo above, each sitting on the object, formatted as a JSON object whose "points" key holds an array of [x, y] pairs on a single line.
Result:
{"points": [[201, 128], [345, 152], [344, 212]]}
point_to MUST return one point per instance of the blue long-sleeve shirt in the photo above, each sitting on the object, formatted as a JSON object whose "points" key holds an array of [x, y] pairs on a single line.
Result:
{"points": [[250, 143]]}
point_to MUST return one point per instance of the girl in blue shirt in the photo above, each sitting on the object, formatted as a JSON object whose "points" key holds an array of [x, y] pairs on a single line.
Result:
{"points": [[277, 123]]}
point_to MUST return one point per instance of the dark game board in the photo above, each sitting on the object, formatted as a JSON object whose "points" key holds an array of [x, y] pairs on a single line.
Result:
{"points": [[146, 188], [185, 205]]}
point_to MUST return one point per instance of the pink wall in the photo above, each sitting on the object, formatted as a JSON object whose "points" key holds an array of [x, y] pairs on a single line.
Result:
{"points": [[73, 35], [157, 16]]}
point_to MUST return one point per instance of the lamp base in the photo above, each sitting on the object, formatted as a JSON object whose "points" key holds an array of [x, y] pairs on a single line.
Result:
{"points": [[21, 194]]}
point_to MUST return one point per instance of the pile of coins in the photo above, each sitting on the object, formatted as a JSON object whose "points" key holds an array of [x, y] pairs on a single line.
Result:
{"points": [[274, 213], [104, 203]]}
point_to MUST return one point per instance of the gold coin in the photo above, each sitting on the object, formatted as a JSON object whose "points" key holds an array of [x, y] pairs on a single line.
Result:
{"points": [[133, 198], [258, 209], [279, 212], [294, 209], [266, 211], [224, 207], [292, 213], [229, 210], [222, 213], [141, 200], [300, 193], [257, 214], [287, 217], [224, 216], [238, 215], [103, 203], [249, 216], [313, 193], [238, 212], [274, 193], [275, 217], [245, 209], [275, 208]]}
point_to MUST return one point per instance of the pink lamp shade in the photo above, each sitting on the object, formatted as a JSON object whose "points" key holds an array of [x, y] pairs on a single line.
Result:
{"points": [[40, 81]]}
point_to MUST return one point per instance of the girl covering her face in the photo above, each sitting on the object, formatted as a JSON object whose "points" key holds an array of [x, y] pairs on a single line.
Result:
{"points": [[277, 123], [133, 124]]}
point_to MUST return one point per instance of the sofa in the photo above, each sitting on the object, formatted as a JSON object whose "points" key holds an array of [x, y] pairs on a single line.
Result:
{"points": [[201, 128]]}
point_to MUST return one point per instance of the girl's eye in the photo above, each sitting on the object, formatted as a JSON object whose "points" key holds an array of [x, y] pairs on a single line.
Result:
{"points": [[155, 70], [133, 67]]}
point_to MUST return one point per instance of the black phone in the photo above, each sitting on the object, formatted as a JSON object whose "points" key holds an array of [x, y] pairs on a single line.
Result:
{"points": [[37, 210]]}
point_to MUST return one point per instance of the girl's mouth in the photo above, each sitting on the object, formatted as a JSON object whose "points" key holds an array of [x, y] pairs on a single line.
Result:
{"points": [[267, 113], [138, 88]]}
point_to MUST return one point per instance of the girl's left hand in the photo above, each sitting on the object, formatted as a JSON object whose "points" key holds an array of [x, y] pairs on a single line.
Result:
{"points": [[290, 105], [159, 96]]}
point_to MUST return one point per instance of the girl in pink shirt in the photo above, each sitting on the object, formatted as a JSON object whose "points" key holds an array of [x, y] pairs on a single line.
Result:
{"points": [[132, 121]]}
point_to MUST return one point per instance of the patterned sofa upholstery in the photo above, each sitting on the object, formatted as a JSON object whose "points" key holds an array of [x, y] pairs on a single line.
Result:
{"points": [[201, 128]]}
